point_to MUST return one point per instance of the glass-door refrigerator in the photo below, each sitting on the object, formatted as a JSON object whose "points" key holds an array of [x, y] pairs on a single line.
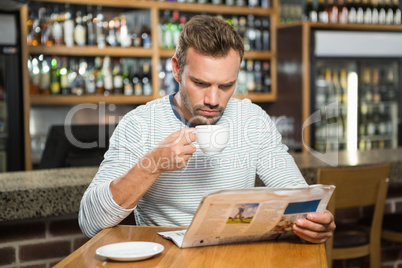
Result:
{"points": [[11, 103], [356, 89]]}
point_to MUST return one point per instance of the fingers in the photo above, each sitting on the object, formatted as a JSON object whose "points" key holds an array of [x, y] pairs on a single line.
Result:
{"points": [[317, 228]]}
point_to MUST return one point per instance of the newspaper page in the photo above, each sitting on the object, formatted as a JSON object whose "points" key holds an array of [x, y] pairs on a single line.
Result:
{"points": [[244, 215]]}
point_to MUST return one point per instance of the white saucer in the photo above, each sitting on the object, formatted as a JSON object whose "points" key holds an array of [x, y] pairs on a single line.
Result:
{"points": [[130, 251]]}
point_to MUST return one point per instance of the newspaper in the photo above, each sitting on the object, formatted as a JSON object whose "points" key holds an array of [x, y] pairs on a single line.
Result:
{"points": [[244, 215]]}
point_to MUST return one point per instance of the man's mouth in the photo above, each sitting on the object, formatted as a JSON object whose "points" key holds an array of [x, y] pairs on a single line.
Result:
{"points": [[209, 112]]}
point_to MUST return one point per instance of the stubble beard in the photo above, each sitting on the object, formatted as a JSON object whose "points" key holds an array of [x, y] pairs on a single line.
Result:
{"points": [[197, 117]]}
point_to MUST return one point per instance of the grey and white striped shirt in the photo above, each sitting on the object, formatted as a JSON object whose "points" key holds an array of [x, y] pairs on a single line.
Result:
{"points": [[254, 148]]}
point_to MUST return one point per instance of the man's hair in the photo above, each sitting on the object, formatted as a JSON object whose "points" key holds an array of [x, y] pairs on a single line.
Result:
{"points": [[211, 36]]}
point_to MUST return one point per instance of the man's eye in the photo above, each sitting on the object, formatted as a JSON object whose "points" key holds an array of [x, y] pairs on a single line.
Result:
{"points": [[199, 84]]}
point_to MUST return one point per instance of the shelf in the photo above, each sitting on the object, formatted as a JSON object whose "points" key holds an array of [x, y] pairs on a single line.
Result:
{"points": [[349, 26], [121, 99], [91, 51], [376, 137], [257, 55], [66, 100], [188, 7]]}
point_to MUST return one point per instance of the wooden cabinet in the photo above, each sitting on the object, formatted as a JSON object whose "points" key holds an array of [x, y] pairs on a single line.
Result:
{"points": [[154, 53]]}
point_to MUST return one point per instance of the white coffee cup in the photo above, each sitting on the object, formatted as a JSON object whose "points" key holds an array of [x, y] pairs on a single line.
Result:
{"points": [[212, 139]]}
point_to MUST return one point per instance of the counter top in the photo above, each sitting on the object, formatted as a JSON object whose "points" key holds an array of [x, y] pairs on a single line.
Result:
{"points": [[56, 192]]}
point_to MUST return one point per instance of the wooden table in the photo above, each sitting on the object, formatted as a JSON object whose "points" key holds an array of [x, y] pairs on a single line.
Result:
{"points": [[257, 254]]}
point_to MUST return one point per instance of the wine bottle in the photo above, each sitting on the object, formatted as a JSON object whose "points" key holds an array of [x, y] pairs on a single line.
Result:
{"points": [[64, 82], [342, 12], [352, 11]]}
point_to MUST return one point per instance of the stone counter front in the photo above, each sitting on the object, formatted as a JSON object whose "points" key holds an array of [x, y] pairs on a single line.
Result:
{"points": [[56, 192]]}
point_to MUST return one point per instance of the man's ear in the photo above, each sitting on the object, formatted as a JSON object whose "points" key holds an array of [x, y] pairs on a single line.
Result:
{"points": [[176, 68]]}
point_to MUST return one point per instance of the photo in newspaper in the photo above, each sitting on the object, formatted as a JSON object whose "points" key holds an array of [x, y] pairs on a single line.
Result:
{"points": [[234, 216]]}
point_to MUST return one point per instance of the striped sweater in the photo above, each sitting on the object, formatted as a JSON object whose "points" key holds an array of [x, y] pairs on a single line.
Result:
{"points": [[254, 148]]}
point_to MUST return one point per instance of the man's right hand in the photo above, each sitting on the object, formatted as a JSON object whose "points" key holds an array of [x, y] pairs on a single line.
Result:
{"points": [[172, 153]]}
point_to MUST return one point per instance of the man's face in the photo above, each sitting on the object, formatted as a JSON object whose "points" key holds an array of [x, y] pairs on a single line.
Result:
{"points": [[206, 85]]}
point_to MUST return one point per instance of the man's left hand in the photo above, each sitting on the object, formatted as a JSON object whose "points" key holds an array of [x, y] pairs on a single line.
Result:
{"points": [[317, 228]]}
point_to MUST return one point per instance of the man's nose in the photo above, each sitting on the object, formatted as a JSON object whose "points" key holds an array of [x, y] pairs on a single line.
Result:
{"points": [[211, 97]]}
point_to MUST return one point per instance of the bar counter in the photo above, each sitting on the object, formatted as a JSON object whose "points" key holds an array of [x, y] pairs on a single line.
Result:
{"points": [[57, 192]]}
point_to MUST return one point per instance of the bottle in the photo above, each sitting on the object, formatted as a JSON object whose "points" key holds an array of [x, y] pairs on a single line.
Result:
{"points": [[258, 76], [310, 14], [99, 85], [79, 30], [241, 84], [250, 32], [389, 17], [107, 76], [146, 32], [374, 12], [323, 15], [68, 28], [382, 14], [90, 80], [366, 87], [352, 11], [100, 35], [146, 79], [332, 11], [137, 83], [331, 94], [337, 86], [376, 88], [266, 73], [344, 85], [54, 77], [35, 77], [321, 89], [258, 35], [78, 84], [64, 82], [57, 28], [360, 12], [391, 87], [127, 85], [343, 12], [250, 85], [174, 28], [265, 35], [251, 3], [45, 27], [367, 12], [44, 84], [117, 79], [125, 36], [111, 38], [397, 12], [90, 27]]}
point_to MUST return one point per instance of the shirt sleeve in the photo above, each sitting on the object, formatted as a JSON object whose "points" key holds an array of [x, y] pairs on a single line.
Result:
{"points": [[275, 166], [98, 210]]}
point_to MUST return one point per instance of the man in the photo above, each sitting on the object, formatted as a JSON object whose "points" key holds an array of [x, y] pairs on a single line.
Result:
{"points": [[152, 165]]}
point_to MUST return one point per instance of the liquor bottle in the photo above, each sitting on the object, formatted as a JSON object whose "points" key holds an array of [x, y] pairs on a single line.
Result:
{"points": [[241, 84], [37, 36], [117, 79], [332, 11], [258, 35], [331, 94], [146, 32], [78, 83], [54, 77], [266, 77], [321, 89], [389, 17], [90, 27], [64, 82], [90, 79], [240, 3], [265, 35], [359, 12], [111, 39], [382, 13], [68, 29], [100, 35], [366, 86], [253, 3], [100, 88], [264, 4], [337, 86], [323, 15], [310, 14], [79, 30], [174, 27], [343, 12], [375, 87], [374, 12], [392, 88], [243, 32], [397, 12], [146, 79], [125, 36], [127, 85], [352, 11], [167, 38], [35, 77], [344, 85], [258, 76], [250, 32], [44, 84], [137, 83], [57, 28], [367, 12], [107, 76], [45, 27], [250, 85]]}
